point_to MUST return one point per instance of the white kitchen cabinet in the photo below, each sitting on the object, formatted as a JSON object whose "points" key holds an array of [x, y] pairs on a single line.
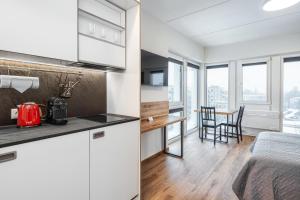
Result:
{"points": [[39, 27], [100, 52], [114, 162], [125, 4], [104, 10], [50, 169], [101, 33]]}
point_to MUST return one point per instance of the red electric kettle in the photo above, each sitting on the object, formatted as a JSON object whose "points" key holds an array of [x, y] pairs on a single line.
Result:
{"points": [[29, 115]]}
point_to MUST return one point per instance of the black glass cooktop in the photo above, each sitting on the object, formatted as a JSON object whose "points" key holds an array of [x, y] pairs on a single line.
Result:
{"points": [[104, 118]]}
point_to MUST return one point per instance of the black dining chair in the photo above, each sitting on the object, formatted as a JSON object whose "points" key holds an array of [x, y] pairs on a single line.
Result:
{"points": [[237, 125], [208, 119]]}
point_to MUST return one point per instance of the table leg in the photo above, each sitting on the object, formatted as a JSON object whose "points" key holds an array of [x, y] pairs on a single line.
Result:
{"points": [[202, 129], [227, 127], [165, 139], [181, 138], [232, 126], [181, 141]]}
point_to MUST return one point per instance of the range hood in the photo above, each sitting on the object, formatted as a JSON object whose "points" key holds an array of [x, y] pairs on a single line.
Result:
{"points": [[95, 66]]}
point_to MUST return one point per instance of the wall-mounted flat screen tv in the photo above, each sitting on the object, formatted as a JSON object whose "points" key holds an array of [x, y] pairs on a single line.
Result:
{"points": [[154, 69]]}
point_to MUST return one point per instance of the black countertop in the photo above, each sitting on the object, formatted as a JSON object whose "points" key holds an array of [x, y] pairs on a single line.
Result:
{"points": [[12, 135]]}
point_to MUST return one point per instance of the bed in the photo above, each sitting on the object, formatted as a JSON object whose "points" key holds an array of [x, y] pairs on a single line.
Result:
{"points": [[273, 171]]}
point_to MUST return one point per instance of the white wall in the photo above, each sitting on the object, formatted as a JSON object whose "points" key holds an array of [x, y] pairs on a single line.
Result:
{"points": [[149, 93], [252, 49], [159, 38], [257, 116], [123, 88]]}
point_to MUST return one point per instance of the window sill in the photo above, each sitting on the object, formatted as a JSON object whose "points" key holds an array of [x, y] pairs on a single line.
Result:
{"points": [[256, 103], [174, 107]]}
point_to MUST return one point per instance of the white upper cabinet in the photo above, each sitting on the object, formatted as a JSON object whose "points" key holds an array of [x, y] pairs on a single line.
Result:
{"points": [[104, 10], [101, 30], [39, 27], [125, 4]]}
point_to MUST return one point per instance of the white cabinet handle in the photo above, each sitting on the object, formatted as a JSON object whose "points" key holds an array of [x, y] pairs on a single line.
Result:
{"points": [[5, 157], [97, 135]]}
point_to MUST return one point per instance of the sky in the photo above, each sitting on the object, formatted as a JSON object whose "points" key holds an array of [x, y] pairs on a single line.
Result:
{"points": [[218, 76], [291, 75], [255, 78]]}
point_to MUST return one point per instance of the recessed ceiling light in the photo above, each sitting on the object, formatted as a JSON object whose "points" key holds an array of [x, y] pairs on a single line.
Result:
{"points": [[273, 5]]}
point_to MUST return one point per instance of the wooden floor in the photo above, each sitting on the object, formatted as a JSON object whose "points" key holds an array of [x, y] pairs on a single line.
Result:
{"points": [[204, 173]]}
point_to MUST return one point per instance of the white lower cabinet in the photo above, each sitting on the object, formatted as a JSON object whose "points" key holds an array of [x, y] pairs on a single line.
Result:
{"points": [[50, 169], [101, 164], [114, 162]]}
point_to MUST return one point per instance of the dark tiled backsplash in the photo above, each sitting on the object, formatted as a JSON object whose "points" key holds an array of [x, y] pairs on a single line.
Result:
{"points": [[89, 97]]}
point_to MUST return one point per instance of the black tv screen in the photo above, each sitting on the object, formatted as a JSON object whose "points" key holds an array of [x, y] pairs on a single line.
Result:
{"points": [[154, 69]]}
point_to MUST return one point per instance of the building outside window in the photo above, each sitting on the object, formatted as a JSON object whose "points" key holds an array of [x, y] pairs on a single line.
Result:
{"points": [[217, 86], [192, 96]]}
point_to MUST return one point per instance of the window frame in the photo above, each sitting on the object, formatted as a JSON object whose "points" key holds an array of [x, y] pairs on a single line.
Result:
{"points": [[282, 62], [178, 104], [198, 67], [217, 65], [241, 81]]}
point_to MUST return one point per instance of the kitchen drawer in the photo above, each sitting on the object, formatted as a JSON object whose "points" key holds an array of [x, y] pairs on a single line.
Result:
{"points": [[95, 51], [96, 27], [104, 10]]}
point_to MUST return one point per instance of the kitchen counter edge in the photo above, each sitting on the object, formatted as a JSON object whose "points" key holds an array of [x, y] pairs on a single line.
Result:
{"points": [[7, 143]]}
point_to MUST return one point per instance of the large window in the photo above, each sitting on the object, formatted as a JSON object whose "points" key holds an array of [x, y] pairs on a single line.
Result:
{"points": [[291, 98], [192, 96], [255, 77], [175, 82], [217, 86]]}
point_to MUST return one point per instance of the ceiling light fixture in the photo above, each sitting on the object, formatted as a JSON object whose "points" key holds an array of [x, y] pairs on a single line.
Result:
{"points": [[274, 5]]}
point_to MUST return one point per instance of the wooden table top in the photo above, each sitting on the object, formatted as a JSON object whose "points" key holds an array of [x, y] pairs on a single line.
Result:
{"points": [[159, 122], [221, 112]]}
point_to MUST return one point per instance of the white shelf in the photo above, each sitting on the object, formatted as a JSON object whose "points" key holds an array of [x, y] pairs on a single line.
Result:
{"points": [[100, 20], [124, 4], [104, 10], [98, 28]]}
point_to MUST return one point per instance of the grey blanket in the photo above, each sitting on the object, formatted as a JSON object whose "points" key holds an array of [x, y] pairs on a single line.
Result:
{"points": [[273, 171]]}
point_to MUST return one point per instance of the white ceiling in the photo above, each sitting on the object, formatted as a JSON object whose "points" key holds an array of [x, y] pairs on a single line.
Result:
{"points": [[219, 22]]}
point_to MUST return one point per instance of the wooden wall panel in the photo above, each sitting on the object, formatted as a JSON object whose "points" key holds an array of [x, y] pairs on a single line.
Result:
{"points": [[154, 109]]}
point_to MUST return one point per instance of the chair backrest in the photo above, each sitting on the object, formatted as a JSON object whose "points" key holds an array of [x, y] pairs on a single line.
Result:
{"points": [[208, 114], [240, 115]]}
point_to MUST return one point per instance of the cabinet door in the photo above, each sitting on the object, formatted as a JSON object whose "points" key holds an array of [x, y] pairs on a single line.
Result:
{"points": [[50, 169], [99, 52], [114, 161], [39, 27]]}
